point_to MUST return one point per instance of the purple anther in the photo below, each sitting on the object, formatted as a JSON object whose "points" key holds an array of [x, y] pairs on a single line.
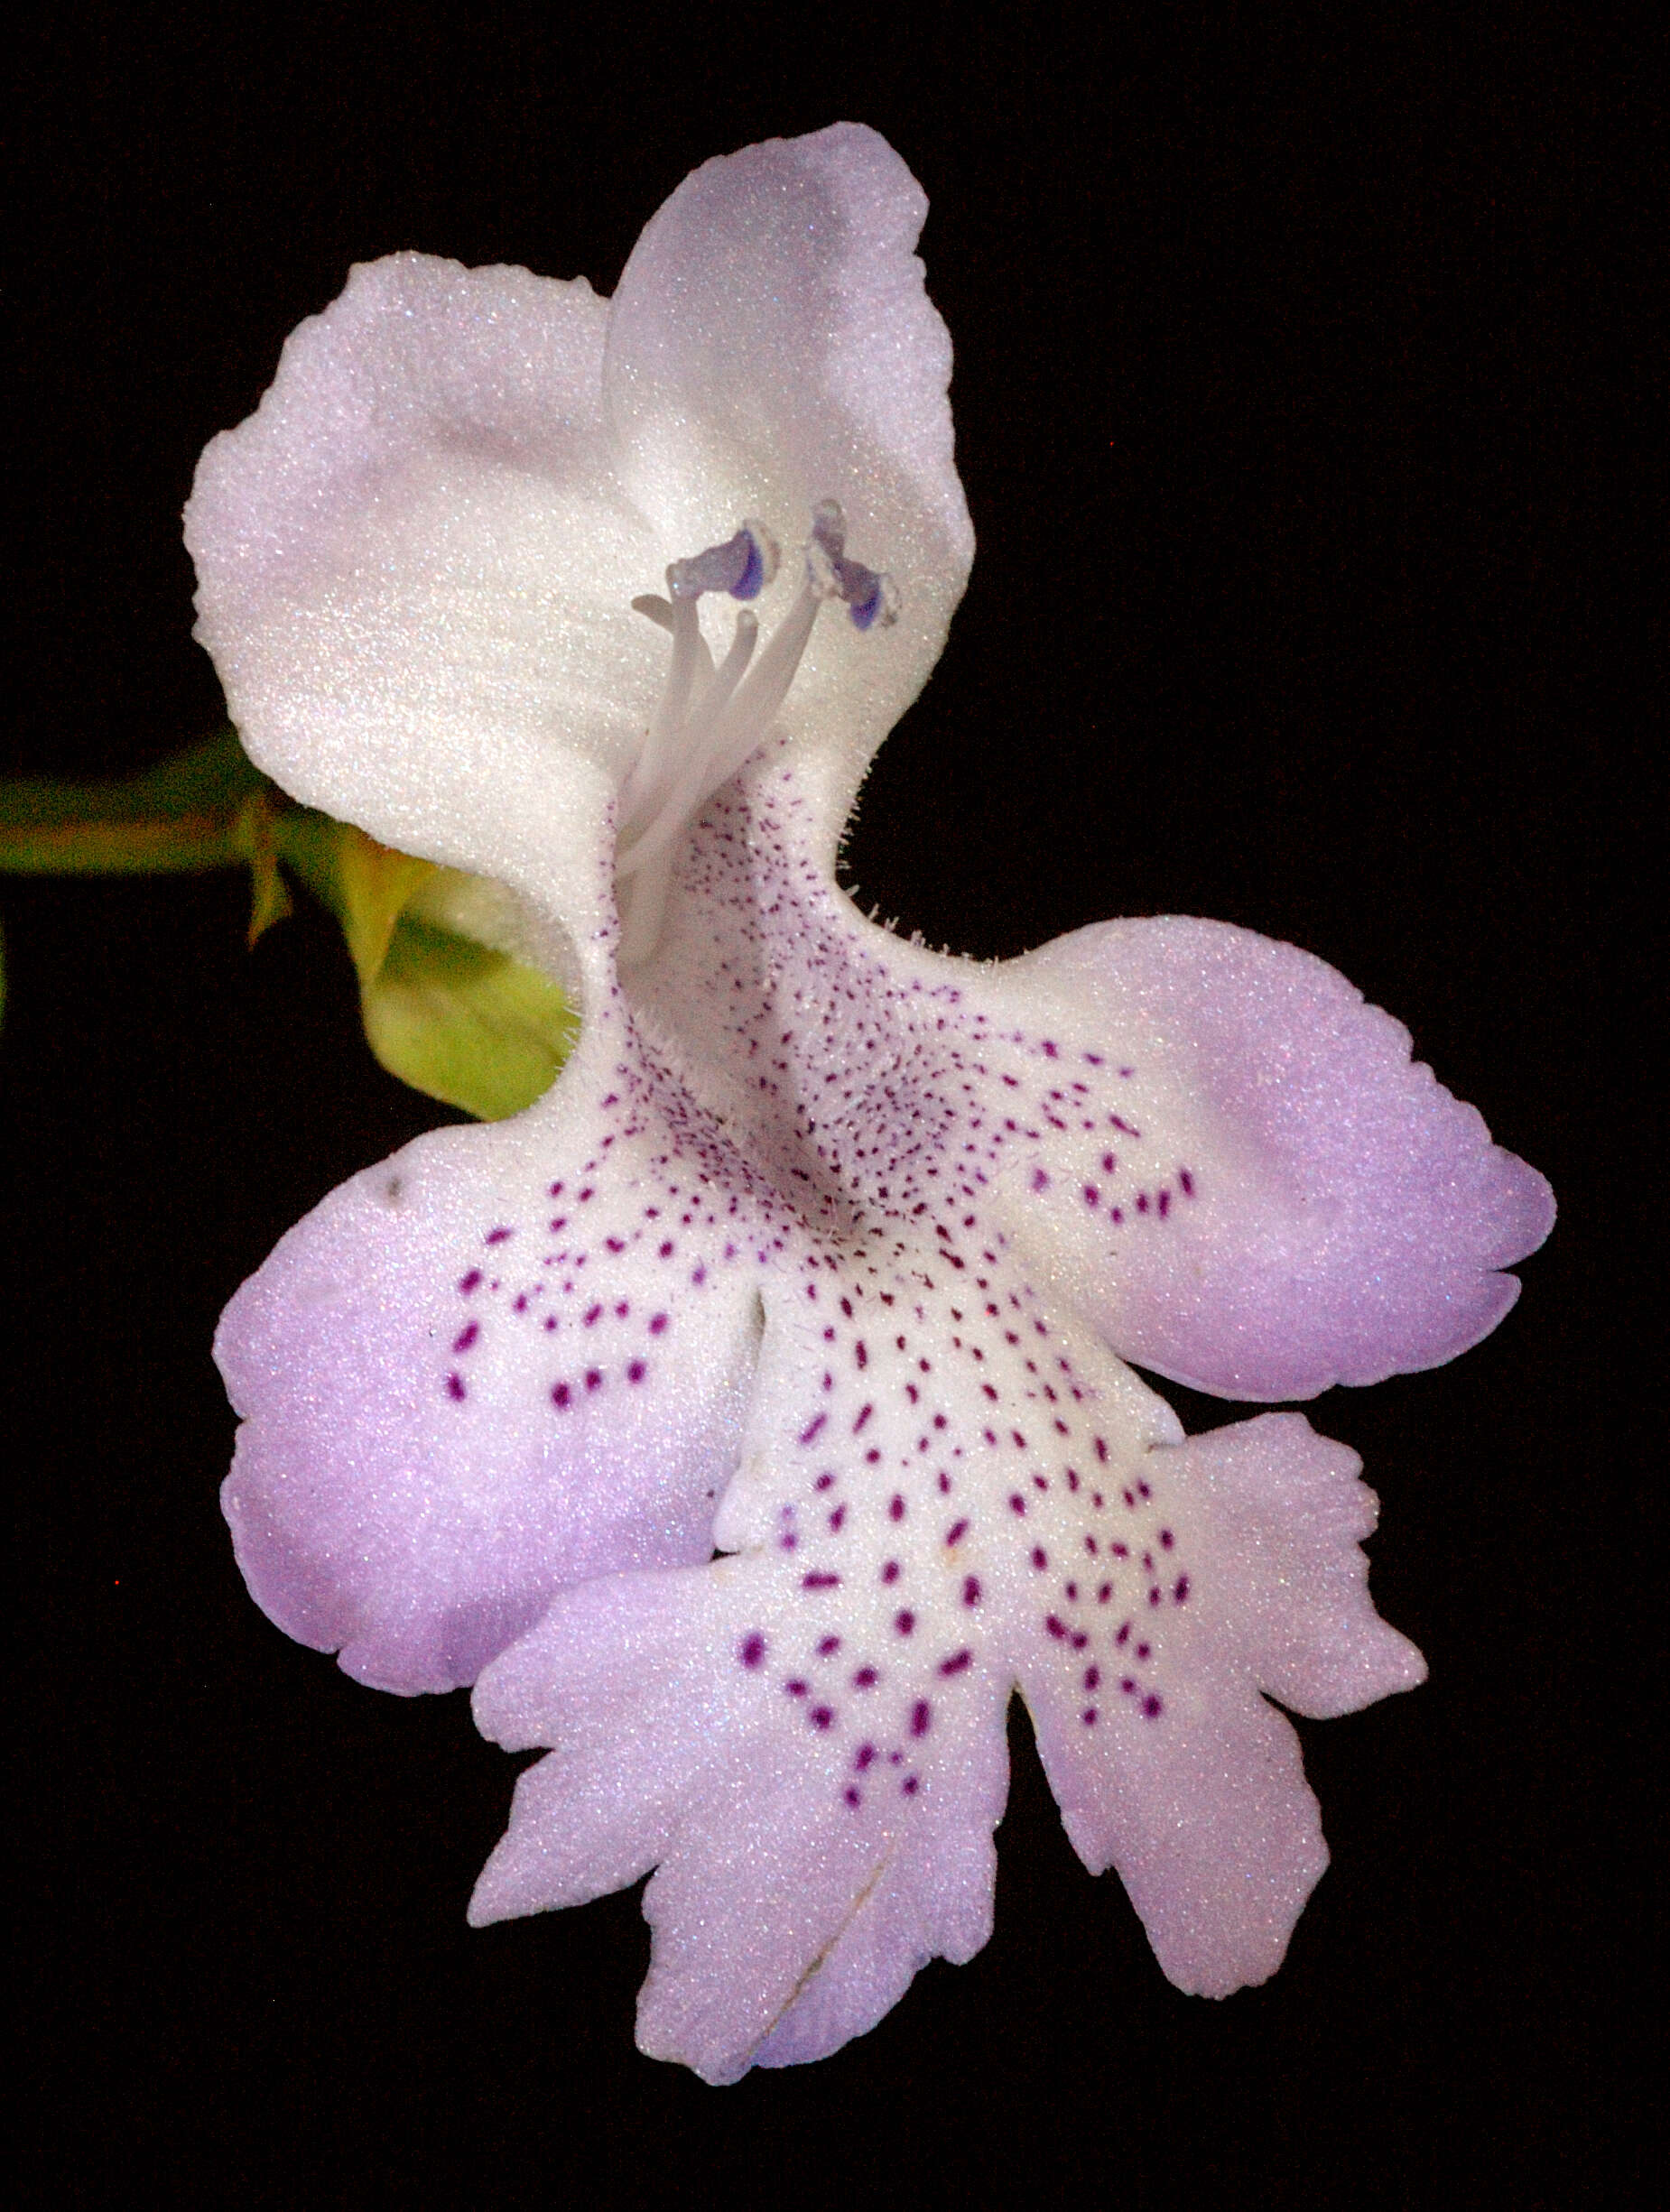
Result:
{"points": [[742, 566], [870, 598]]}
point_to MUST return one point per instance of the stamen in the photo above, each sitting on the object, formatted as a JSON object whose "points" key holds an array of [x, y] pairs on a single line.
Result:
{"points": [[872, 599], [742, 566], [710, 721]]}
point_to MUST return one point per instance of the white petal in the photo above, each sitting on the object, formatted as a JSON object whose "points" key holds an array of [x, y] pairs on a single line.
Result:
{"points": [[772, 344], [416, 572]]}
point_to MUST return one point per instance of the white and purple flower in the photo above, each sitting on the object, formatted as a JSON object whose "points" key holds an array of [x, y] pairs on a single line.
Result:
{"points": [[825, 1253]]}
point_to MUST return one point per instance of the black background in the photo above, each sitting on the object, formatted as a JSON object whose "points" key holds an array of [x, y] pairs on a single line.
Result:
{"points": [[1295, 408]]}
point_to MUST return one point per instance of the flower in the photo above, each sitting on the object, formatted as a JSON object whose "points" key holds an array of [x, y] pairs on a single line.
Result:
{"points": [[749, 1418]]}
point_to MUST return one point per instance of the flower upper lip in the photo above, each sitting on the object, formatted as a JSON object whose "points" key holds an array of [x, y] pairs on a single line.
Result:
{"points": [[417, 561]]}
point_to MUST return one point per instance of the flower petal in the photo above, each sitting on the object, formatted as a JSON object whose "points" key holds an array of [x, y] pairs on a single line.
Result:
{"points": [[1191, 1785], [801, 1881], [415, 569], [504, 1360], [1272, 1198], [772, 341]]}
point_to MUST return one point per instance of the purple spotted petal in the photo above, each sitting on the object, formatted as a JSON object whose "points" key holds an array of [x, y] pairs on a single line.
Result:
{"points": [[504, 1360], [1261, 1195], [1167, 1763], [811, 1855]]}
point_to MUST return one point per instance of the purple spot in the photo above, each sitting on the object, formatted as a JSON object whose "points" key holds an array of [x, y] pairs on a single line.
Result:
{"points": [[956, 1532], [895, 1511], [657, 1322], [455, 1386], [1187, 1180], [852, 1795], [826, 1645], [1151, 1706], [466, 1337], [864, 1413], [864, 1678], [1180, 1590], [860, 1353], [635, 1371], [921, 1714], [819, 1581], [559, 1394], [1092, 1677], [865, 1756], [796, 1689], [1056, 1626], [1089, 1716], [467, 1284], [1040, 1180], [594, 1380], [970, 1590], [821, 1717], [909, 1786], [753, 1652], [956, 1663], [905, 1622], [1040, 1557], [496, 1236], [1017, 1504], [1166, 1540], [809, 1431], [1164, 1201], [890, 1572]]}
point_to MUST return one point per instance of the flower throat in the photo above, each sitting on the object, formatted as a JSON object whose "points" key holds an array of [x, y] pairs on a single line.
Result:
{"points": [[711, 719]]}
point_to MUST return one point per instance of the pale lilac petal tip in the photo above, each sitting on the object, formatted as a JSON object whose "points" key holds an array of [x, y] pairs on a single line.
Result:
{"points": [[804, 1876], [436, 1437], [1320, 1209], [1192, 1785]]}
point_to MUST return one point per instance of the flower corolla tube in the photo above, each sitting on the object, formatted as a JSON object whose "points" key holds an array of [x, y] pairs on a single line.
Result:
{"points": [[750, 1419]]}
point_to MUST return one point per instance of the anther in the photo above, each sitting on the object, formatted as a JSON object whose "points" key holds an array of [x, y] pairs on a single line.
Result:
{"points": [[711, 719], [743, 566], [872, 600]]}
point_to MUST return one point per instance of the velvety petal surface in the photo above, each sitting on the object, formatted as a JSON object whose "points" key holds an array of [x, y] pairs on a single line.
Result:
{"points": [[1167, 1761], [416, 560], [771, 334], [505, 1359], [1270, 1196], [804, 1872], [416, 571]]}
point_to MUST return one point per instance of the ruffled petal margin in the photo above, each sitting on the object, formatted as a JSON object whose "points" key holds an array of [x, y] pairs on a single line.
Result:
{"points": [[1195, 1791], [506, 1359], [788, 1917], [1281, 1201]]}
